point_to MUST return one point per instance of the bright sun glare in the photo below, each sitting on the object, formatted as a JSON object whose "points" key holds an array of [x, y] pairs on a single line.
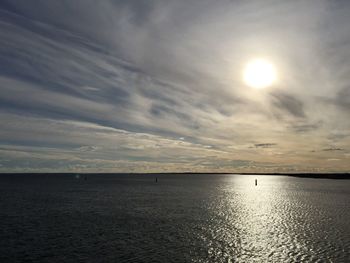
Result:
{"points": [[259, 73]]}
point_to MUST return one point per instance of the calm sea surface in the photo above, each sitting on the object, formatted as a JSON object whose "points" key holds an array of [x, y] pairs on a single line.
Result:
{"points": [[182, 218]]}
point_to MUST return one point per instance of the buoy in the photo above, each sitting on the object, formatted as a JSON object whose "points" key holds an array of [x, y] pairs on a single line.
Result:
{"points": [[156, 179], [256, 182]]}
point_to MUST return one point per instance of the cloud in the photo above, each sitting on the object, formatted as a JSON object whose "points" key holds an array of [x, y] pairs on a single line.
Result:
{"points": [[332, 149], [264, 145], [120, 85], [289, 104], [343, 99], [302, 127]]}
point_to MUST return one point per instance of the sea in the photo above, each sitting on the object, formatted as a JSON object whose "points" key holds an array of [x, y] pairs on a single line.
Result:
{"points": [[173, 218]]}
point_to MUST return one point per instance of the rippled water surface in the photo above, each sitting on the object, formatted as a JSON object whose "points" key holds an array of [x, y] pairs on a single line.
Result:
{"points": [[182, 218]]}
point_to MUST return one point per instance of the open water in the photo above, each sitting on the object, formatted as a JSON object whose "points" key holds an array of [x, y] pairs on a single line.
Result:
{"points": [[181, 218]]}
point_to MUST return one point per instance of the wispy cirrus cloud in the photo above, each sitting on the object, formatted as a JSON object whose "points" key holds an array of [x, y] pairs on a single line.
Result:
{"points": [[154, 85]]}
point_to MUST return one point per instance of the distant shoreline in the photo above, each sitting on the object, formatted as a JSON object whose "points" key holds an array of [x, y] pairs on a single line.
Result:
{"points": [[343, 176]]}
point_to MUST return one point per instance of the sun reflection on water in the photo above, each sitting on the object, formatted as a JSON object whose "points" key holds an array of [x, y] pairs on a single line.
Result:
{"points": [[257, 219], [256, 223]]}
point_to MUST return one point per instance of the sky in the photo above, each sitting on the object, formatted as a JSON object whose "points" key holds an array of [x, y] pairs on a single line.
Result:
{"points": [[157, 86]]}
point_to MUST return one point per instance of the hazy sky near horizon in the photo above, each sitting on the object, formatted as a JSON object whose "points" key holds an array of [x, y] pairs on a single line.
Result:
{"points": [[156, 86]]}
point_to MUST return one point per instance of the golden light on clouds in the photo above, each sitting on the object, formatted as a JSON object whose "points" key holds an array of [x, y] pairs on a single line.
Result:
{"points": [[259, 73]]}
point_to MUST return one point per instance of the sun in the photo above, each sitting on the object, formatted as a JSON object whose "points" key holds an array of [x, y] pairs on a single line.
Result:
{"points": [[259, 73]]}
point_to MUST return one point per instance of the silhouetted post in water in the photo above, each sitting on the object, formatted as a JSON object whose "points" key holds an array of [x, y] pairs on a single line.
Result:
{"points": [[256, 182], [156, 179]]}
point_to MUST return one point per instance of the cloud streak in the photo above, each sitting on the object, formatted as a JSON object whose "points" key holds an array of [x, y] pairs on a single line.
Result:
{"points": [[157, 86]]}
